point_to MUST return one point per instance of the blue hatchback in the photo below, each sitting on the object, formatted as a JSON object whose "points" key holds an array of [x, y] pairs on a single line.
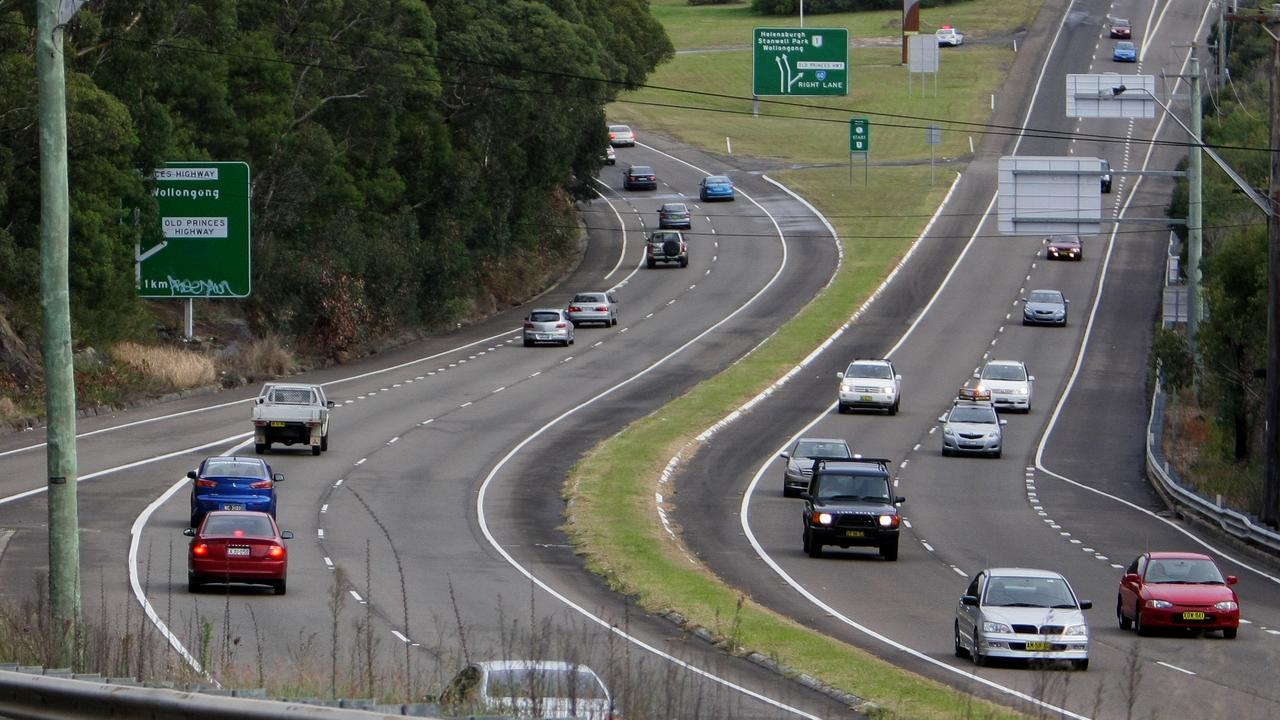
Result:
{"points": [[715, 187], [232, 483], [1125, 51]]}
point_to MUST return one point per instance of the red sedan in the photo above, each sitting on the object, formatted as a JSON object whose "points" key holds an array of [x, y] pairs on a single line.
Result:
{"points": [[1177, 590], [237, 547]]}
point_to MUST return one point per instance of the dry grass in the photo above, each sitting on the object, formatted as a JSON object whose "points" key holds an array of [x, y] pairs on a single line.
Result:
{"points": [[173, 368], [265, 359], [9, 411]]}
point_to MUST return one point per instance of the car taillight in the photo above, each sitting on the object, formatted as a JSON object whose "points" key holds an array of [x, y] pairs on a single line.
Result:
{"points": [[313, 423], [601, 308], [259, 423], [574, 308], [562, 325], [202, 482], [261, 485], [275, 552], [528, 326], [200, 550]]}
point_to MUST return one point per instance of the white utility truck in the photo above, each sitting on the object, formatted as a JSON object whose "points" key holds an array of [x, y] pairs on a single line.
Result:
{"points": [[291, 413]]}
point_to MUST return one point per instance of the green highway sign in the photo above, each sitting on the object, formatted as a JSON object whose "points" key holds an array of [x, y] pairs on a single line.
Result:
{"points": [[204, 223], [859, 135], [800, 61]]}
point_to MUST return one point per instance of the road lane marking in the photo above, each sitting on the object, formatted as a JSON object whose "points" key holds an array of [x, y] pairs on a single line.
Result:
{"points": [[1174, 667]]}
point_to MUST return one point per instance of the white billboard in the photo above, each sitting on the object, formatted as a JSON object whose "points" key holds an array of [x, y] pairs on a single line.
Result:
{"points": [[1111, 95], [1050, 195]]}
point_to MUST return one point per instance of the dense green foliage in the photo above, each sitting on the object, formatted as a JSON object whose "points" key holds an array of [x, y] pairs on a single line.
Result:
{"points": [[400, 149], [1232, 340], [821, 7]]}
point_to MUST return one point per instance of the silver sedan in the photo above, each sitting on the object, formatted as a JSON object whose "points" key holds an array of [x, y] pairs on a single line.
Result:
{"points": [[1020, 613], [593, 307], [1044, 307], [548, 325]]}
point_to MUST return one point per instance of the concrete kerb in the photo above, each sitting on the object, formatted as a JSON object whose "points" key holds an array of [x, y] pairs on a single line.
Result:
{"points": [[691, 448]]}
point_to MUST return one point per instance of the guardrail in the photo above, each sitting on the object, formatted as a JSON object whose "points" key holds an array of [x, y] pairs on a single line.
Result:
{"points": [[1167, 483], [59, 695]]}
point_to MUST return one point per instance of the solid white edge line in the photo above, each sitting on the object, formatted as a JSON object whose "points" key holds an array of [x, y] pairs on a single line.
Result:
{"points": [[622, 228], [1079, 363], [493, 542]]}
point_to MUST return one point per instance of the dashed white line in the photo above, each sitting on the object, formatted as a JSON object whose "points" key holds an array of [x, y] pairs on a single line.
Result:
{"points": [[339, 483], [597, 343], [536, 374], [498, 390], [320, 532], [1174, 667], [393, 440], [400, 636], [361, 461], [328, 563], [959, 572], [356, 595], [324, 508], [927, 546], [466, 404]]}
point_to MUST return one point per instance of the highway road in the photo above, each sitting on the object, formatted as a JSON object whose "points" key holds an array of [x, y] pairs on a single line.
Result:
{"points": [[430, 529], [1068, 493]]}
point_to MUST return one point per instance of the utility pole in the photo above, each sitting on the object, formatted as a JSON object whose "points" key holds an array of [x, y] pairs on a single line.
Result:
{"points": [[1271, 427], [59, 375], [1195, 207]]}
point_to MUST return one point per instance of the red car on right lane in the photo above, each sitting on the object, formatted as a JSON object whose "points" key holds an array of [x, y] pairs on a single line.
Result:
{"points": [[1177, 590]]}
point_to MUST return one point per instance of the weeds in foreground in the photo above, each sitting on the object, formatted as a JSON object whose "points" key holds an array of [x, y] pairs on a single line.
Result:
{"points": [[169, 367]]}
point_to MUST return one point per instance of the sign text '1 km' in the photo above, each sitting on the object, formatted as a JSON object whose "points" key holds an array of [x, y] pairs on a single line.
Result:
{"points": [[800, 61]]}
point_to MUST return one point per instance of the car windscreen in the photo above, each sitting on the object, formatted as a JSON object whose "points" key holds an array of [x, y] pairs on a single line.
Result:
{"points": [[588, 298], [619, 129], [853, 487], [254, 526], [641, 170], [1046, 592], [717, 180], [544, 683], [1045, 297], [544, 317], [1066, 239], [234, 468], [972, 415], [1183, 570], [811, 448], [291, 396], [869, 370], [1004, 372]]}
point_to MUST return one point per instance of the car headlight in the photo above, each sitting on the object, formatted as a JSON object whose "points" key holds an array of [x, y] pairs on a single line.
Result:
{"points": [[888, 521], [824, 518], [846, 388], [1158, 604], [948, 431], [1076, 630], [995, 627], [1227, 605], [1020, 391]]}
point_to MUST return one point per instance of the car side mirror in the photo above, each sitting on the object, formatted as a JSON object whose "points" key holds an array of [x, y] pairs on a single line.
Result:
{"points": [[977, 375], [260, 400], [191, 474], [970, 600], [804, 495], [1003, 422], [1067, 302], [840, 375], [328, 403], [1086, 604], [942, 417], [1031, 378], [189, 532], [898, 378], [1131, 579], [898, 500], [277, 477], [785, 455], [1232, 579], [286, 534]]}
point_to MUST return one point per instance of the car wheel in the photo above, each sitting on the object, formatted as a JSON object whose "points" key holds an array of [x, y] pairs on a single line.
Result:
{"points": [[960, 650], [195, 519], [889, 550], [315, 449], [841, 409], [893, 409], [978, 658], [528, 343], [613, 322], [787, 491], [1230, 633], [946, 452], [1137, 623], [651, 263], [193, 583], [1125, 623], [279, 586], [996, 454], [684, 262], [324, 442], [812, 546], [1080, 665], [574, 323], [261, 448]]}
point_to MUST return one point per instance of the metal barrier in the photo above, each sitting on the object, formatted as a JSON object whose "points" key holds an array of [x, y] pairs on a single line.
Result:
{"points": [[27, 696], [1166, 482]]}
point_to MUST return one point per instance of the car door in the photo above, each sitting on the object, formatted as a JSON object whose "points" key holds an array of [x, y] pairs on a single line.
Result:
{"points": [[967, 615], [1130, 592], [613, 306]]}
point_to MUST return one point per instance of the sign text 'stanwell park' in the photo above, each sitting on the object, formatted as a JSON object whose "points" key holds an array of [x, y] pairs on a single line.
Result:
{"points": [[205, 230]]}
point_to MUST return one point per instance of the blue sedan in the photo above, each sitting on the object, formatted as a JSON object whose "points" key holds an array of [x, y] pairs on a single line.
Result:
{"points": [[715, 187], [232, 483], [1125, 52]]}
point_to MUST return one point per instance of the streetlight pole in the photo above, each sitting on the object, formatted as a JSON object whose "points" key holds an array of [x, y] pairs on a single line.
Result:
{"points": [[1195, 208]]}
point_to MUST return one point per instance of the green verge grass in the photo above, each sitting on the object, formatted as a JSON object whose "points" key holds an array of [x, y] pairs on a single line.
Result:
{"points": [[611, 490], [718, 26]]}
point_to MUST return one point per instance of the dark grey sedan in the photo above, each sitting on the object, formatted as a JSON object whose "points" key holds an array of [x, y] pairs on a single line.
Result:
{"points": [[1044, 307], [795, 479]]}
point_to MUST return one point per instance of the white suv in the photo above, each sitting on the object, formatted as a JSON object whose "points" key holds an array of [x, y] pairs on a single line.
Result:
{"points": [[1009, 383], [870, 384]]}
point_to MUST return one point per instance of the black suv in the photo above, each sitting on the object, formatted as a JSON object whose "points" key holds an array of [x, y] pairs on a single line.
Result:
{"points": [[850, 503]]}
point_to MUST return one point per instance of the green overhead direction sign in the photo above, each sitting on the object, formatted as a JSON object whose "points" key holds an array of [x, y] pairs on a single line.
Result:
{"points": [[204, 224], [800, 61]]}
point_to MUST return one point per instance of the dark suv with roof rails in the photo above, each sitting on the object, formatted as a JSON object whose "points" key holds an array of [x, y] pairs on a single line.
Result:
{"points": [[850, 503]]}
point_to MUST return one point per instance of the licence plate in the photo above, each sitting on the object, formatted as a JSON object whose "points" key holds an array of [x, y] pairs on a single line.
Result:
{"points": [[277, 423], [1192, 615], [541, 336], [243, 551], [866, 398], [854, 533], [1039, 646], [232, 506]]}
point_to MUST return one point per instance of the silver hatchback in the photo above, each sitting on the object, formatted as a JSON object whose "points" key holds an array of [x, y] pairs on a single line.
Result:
{"points": [[548, 325], [593, 307]]}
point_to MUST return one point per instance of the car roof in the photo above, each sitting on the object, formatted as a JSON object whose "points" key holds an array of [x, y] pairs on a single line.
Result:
{"points": [[716, 178], [1065, 238], [674, 204], [237, 513], [1046, 290], [640, 168], [870, 361], [619, 127], [856, 465], [1018, 363], [554, 310], [1120, 21], [958, 402], [1022, 572], [1125, 44], [1174, 555], [822, 440]]}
